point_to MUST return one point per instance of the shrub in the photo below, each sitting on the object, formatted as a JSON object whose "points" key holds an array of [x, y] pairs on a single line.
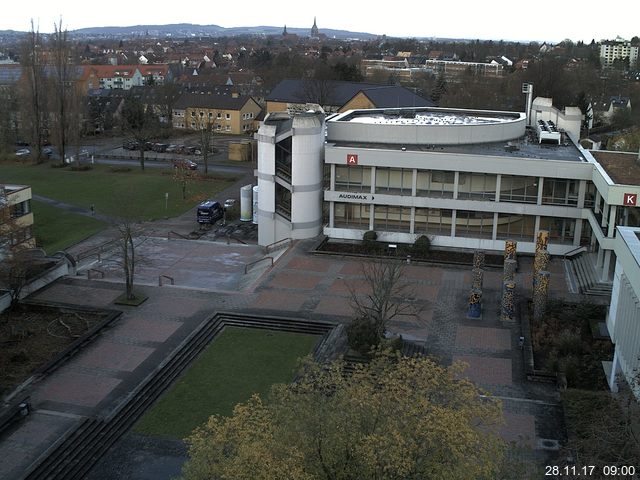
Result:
{"points": [[421, 246], [362, 335], [370, 236]]}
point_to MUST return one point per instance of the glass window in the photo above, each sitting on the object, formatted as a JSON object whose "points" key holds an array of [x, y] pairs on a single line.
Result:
{"points": [[219, 115], [516, 227], [474, 224], [351, 215], [392, 219], [560, 229], [228, 116], [353, 179], [433, 221], [477, 186], [560, 191], [435, 183], [515, 188], [394, 181]]}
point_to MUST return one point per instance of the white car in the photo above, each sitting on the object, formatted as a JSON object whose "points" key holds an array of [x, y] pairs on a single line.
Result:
{"points": [[23, 152]]}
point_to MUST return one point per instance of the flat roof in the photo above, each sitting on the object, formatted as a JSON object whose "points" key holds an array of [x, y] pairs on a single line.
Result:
{"points": [[427, 116], [526, 146], [622, 167]]}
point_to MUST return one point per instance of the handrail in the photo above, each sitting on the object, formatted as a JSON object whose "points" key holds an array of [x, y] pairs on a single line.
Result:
{"points": [[247, 265], [177, 235], [96, 271], [575, 251], [271, 247], [98, 249], [160, 277]]}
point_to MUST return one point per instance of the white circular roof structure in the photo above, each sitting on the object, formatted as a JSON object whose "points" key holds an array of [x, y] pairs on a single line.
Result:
{"points": [[429, 126]]}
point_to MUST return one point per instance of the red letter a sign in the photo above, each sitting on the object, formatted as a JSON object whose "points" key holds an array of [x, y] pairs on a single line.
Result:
{"points": [[352, 159]]}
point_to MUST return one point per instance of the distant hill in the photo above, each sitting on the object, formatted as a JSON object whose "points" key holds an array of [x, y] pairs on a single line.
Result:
{"points": [[192, 30]]}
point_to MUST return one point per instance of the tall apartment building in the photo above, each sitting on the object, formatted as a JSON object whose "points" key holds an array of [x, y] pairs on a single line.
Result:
{"points": [[618, 49]]}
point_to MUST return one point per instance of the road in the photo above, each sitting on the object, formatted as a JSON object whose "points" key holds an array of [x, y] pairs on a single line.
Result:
{"points": [[213, 167]]}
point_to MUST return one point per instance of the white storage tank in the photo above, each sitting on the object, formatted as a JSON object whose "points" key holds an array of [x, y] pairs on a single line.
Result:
{"points": [[246, 201]]}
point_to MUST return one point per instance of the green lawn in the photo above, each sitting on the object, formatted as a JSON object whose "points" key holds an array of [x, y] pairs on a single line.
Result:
{"points": [[57, 229], [137, 193], [238, 363]]}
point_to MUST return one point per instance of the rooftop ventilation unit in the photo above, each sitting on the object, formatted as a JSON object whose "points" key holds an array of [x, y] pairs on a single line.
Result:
{"points": [[548, 132]]}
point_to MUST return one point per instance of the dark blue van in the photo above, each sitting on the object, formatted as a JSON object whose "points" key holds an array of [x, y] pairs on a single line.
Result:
{"points": [[209, 212]]}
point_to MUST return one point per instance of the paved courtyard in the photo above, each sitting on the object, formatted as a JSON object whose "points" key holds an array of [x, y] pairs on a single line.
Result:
{"points": [[210, 277]]}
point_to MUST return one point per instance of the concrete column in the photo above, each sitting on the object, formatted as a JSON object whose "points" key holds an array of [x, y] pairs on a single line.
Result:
{"points": [[456, 179], [577, 233], [542, 241], [475, 306], [372, 214], [414, 183], [596, 202], [508, 302], [453, 223], [605, 215], [540, 294], [612, 220], [510, 249], [412, 227], [540, 187], [332, 215], [605, 266], [494, 230], [332, 182], [373, 180], [615, 370], [477, 276], [600, 257], [582, 193], [498, 183]]}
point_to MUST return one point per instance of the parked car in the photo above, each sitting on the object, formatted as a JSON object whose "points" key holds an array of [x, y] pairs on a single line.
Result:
{"points": [[209, 212], [23, 152], [48, 151], [187, 164]]}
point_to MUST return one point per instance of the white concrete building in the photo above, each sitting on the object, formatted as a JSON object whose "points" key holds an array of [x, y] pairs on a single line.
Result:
{"points": [[290, 176], [618, 49], [569, 119], [467, 179], [623, 321]]}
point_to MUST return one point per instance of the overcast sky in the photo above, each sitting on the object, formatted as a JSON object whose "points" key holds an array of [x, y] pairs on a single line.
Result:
{"points": [[485, 19]]}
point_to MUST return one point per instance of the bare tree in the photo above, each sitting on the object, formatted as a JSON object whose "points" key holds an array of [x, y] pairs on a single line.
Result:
{"points": [[183, 175], [140, 124], [206, 133], [127, 255], [386, 296], [34, 118], [64, 98]]}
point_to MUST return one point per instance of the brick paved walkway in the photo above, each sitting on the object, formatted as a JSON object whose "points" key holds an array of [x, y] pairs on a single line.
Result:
{"points": [[299, 284]]}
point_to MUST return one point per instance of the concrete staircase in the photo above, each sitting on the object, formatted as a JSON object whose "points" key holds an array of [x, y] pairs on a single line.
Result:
{"points": [[586, 278]]}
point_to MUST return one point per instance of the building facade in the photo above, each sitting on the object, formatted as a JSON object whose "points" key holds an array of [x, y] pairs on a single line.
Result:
{"points": [[618, 50], [16, 219], [232, 114], [467, 179], [290, 176], [623, 320]]}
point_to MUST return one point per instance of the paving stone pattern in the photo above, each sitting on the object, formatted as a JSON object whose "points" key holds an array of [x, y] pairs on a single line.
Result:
{"points": [[300, 284]]}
